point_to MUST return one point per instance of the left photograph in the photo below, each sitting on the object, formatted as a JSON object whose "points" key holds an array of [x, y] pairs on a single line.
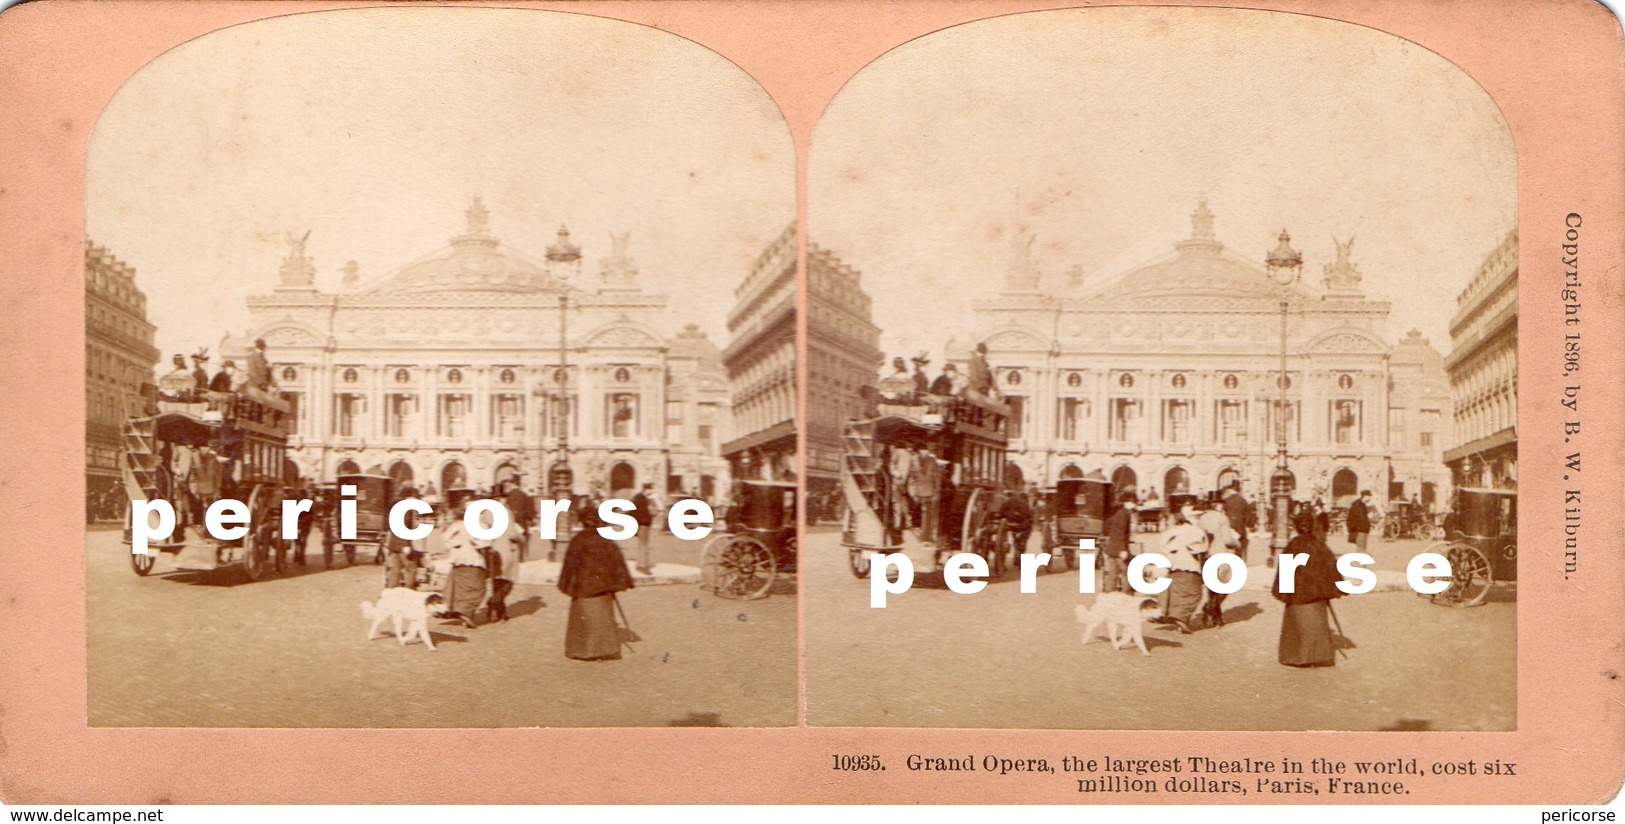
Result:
{"points": [[491, 260]]}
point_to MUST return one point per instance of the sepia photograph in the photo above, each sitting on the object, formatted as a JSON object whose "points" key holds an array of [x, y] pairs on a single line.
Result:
{"points": [[469, 257], [1105, 283]]}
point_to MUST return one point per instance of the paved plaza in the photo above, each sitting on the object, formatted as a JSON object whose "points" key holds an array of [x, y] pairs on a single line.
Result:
{"points": [[1000, 658], [207, 649]]}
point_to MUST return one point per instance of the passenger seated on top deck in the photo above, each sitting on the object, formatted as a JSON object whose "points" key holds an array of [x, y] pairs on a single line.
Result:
{"points": [[898, 387], [179, 383]]}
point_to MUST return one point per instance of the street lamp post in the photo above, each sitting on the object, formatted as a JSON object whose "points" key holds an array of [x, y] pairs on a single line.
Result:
{"points": [[1284, 264], [563, 262]]}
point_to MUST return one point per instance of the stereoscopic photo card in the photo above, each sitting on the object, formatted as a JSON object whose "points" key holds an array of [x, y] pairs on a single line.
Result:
{"points": [[819, 402]]}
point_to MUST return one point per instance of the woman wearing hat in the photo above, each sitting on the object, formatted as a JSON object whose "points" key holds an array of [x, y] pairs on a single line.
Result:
{"points": [[593, 571], [1306, 632]]}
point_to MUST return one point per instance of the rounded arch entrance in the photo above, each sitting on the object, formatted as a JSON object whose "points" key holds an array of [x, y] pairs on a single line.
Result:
{"points": [[453, 476], [347, 467], [1345, 486], [1227, 476], [1071, 471], [1014, 478], [1124, 480], [290, 473], [504, 474], [622, 476], [1176, 481], [402, 473]]}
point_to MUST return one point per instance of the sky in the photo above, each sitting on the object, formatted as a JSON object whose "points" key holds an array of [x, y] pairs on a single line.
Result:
{"points": [[374, 129], [1098, 130]]}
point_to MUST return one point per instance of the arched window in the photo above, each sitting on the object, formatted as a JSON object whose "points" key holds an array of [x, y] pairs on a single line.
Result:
{"points": [[1178, 382], [1345, 382], [289, 374], [402, 376], [454, 376], [623, 375], [507, 376], [1013, 378], [1126, 381], [349, 376], [1074, 380], [1231, 381], [1283, 382]]}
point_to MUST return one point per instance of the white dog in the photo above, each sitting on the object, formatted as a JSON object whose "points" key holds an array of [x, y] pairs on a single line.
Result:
{"points": [[398, 604], [1118, 610]]}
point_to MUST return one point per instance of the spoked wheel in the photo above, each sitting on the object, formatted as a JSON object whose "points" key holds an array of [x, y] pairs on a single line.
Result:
{"points": [[1470, 577], [738, 567], [976, 533], [143, 564]]}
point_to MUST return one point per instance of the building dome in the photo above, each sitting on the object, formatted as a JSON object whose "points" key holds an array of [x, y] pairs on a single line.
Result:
{"points": [[1200, 265], [473, 262], [693, 344]]}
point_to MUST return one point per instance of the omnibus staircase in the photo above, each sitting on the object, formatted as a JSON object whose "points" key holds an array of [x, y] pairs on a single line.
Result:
{"points": [[860, 484]]}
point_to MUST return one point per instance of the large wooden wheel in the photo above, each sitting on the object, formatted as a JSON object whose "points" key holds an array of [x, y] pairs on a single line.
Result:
{"points": [[1470, 577], [973, 533], [142, 564], [738, 567], [260, 544]]}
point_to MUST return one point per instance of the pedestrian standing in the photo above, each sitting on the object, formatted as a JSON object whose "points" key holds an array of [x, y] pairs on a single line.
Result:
{"points": [[643, 513], [465, 586], [1306, 633], [593, 571], [1239, 512], [1181, 544], [1359, 520], [505, 557], [1114, 561]]}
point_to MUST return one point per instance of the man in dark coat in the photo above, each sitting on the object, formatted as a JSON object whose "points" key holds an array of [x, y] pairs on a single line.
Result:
{"points": [[1114, 560], [643, 511], [225, 379], [523, 511], [1359, 520], [1241, 517]]}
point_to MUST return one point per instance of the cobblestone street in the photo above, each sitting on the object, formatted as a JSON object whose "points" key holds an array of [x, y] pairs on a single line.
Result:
{"points": [[998, 658], [205, 649]]}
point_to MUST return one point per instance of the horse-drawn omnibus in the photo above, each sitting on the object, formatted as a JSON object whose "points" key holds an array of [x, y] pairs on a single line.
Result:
{"points": [[925, 480], [196, 447]]}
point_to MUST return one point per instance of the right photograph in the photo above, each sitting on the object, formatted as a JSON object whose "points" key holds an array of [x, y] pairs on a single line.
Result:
{"points": [[1103, 283]]}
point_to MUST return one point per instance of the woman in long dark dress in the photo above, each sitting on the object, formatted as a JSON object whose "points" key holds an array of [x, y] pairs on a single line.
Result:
{"points": [[594, 570], [1306, 632]]}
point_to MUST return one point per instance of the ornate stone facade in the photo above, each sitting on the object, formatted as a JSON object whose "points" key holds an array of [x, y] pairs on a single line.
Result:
{"points": [[450, 370], [1166, 378], [1483, 368], [119, 358], [761, 364], [843, 352]]}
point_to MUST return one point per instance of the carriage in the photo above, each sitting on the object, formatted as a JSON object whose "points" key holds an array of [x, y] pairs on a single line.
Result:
{"points": [[1481, 543], [1405, 519], [1079, 509], [197, 447], [374, 495], [958, 446], [758, 544]]}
